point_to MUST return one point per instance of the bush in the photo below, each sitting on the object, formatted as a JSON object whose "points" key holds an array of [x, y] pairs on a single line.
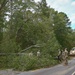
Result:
{"points": [[46, 62], [25, 62], [9, 46]]}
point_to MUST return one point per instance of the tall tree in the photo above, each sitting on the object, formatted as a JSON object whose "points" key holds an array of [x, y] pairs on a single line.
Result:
{"points": [[2, 13], [62, 28], [43, 8]]}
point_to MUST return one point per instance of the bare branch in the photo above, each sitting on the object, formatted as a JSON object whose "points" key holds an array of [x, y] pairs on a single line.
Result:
{"points": [[29, 48]]}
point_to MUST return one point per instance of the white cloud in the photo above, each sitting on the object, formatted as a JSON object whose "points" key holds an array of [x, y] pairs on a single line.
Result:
{"points": [[60, 5], [73, 3], [63, 1], [72, 18], [37, 0]]}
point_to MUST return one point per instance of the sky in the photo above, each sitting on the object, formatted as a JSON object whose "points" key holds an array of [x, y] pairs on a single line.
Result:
{"points": [[66, 6]]}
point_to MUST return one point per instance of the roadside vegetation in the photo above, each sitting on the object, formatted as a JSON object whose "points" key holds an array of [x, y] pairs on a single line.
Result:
{"points": [[26, 26]]}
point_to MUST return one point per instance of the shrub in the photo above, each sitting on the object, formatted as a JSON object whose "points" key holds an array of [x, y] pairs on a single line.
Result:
{"points": [[24, 63]]}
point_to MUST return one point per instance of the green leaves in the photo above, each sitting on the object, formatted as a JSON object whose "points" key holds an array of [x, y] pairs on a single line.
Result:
{"points": [[61, 29], [32, 26]]}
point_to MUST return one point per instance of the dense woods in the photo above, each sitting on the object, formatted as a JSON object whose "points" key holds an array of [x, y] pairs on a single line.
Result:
{"points": [[27, 26]]}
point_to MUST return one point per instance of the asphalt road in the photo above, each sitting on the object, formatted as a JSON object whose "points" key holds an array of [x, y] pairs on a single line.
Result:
{"points": [[56, 70]]}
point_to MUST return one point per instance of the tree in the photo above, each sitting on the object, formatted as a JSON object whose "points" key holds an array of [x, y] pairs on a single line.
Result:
{"points": [[19, 19], [43, 8], [2, 19], [72, 39], [62, 28]]}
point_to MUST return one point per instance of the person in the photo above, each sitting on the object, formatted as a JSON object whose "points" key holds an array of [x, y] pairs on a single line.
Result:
{"points": [[65, 56], [59, 55], [38, 53], [30, 54]]}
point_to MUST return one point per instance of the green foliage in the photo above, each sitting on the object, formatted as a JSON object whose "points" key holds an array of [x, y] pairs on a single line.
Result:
{"points": [[46, 61], [32, 24], [62, 27], [25, 62], [2, 18], [71, 38], [43, 8], [9, 46], [2, 62]]}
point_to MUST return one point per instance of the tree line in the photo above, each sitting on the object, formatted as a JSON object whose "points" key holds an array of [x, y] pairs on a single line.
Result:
{"points": [[28, 26]]}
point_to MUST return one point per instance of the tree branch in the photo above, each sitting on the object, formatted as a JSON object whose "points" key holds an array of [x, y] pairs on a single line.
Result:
{"points": [[29, 48], [3, 4]]}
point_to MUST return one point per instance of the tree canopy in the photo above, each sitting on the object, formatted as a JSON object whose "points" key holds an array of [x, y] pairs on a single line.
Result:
{"points": [[31, 23]]}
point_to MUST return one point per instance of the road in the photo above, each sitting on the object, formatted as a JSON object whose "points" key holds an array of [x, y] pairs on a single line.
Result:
{"points": [[56, 70]]}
